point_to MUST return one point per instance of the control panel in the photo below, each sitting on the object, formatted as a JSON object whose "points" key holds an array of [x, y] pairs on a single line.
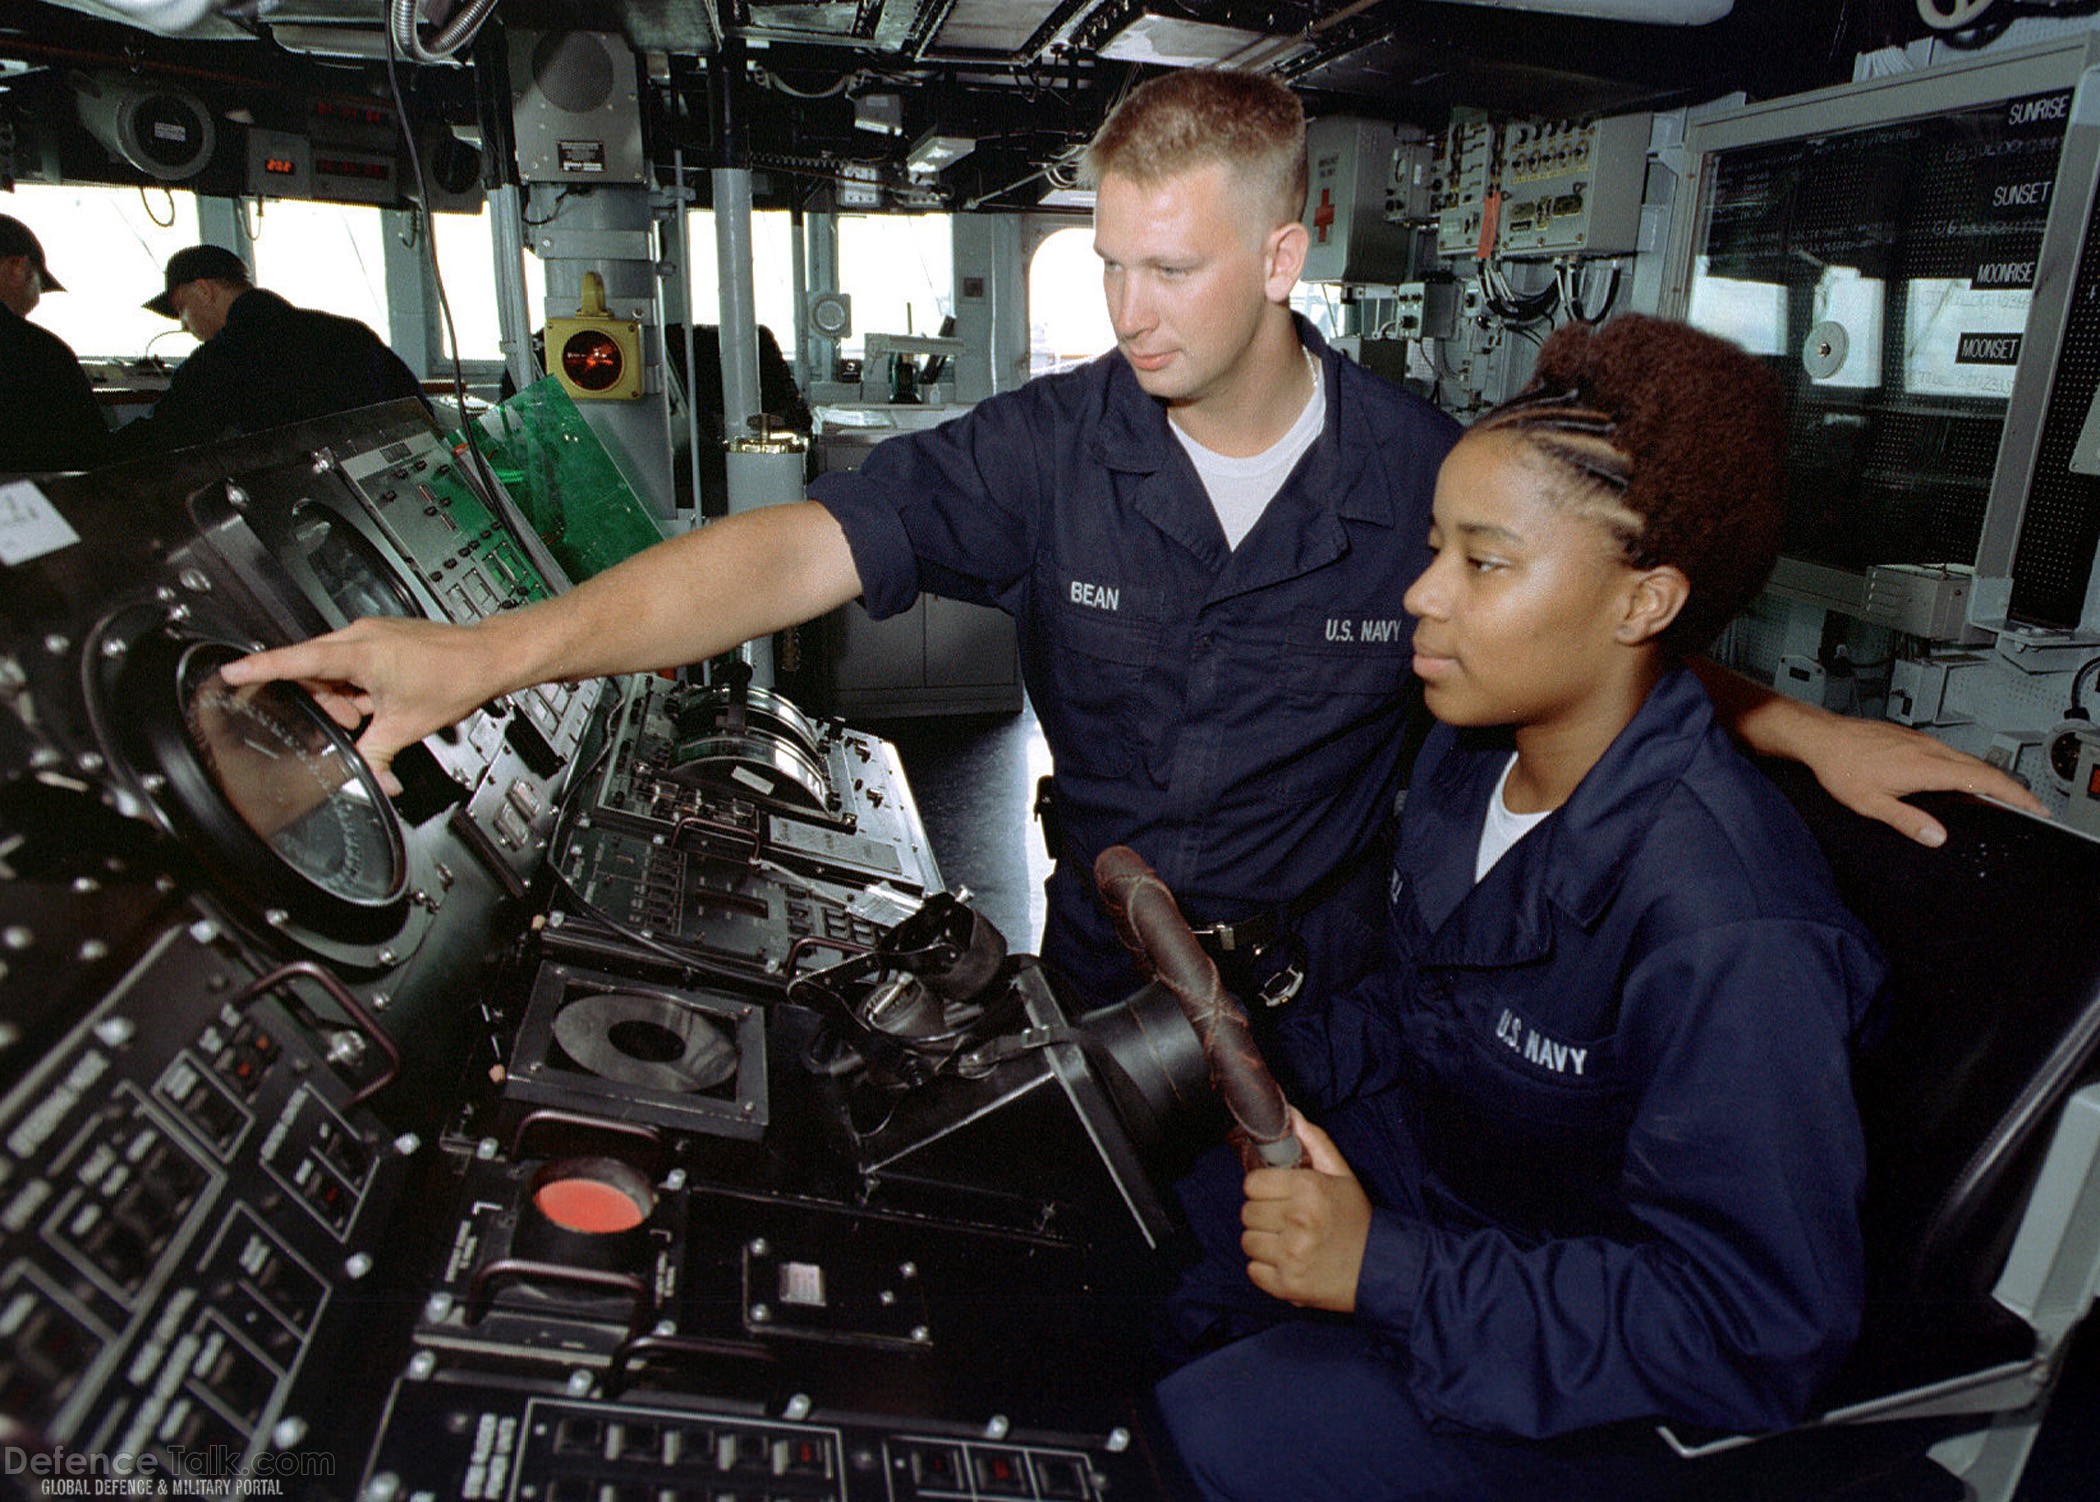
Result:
{"points": [[623, 1108], [191, 1195], [822, 797], [1573, 186], [474, 564], [723, 829], [471, 1443], [1465, 177]]}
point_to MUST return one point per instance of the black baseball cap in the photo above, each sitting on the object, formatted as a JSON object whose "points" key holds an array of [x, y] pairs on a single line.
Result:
{"points": [[194, 263], [16, 239]]}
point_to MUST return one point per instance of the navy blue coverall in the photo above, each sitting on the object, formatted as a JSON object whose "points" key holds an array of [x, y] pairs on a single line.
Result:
{"points": [[1233, 714], [48, 415], [1602, 1105], [271, 364]]}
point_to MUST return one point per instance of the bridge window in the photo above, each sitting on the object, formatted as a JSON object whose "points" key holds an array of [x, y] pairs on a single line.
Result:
{"points": [[772, 273], [466, 259], [108, 246], [899, 269], [329, 256], [1752, 313], [1067, 316], [1321, 305]]}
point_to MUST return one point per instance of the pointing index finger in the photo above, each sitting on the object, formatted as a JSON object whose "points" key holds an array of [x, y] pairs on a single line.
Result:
{"points": [[307, 660]]}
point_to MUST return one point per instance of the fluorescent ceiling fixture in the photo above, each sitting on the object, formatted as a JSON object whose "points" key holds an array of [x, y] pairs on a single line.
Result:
{"points": [[1265, 52], [1654, 12], [881, 113], [1067, 198], [1170, 41], [932, 152]]}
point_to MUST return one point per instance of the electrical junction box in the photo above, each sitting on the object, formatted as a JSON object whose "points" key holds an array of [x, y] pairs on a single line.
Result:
{"points": [[1410, 190], [1573, 187], [857, 186], [1918, 688], [1925, 600], [1345, 204], [1385, 357], [1801, 677], [1425, 310]]}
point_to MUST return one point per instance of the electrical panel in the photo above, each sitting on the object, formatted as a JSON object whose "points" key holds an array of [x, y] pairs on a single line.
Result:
{"points": [[1540, 187], [1465, 177], [1573, 187]]}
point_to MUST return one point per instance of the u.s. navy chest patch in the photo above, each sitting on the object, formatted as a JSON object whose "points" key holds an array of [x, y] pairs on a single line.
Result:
{"points": [[1535, 1048], [1370, 630]]}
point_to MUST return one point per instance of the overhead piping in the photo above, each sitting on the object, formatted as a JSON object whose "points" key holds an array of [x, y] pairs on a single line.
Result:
{"points": [[455, 34]]}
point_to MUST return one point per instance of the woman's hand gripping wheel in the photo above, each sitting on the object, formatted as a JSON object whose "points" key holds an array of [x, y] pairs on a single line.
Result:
{"points": [[1151, 926]]}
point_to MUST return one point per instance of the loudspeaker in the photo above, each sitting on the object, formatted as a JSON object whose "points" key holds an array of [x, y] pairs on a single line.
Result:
{"points": [[165, 132], [577, 107], [451, 172]]}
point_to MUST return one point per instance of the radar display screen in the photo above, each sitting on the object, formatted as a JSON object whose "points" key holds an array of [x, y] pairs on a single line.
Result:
{"points": [[1885, 274], [357, 580]]}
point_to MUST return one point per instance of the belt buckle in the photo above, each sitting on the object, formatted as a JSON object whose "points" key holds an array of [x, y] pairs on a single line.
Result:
{"points": [[1220, 933], [1283, 986]]}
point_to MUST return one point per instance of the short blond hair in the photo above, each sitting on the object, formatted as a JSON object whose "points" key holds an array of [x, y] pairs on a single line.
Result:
{"points": [[1196, 117]]}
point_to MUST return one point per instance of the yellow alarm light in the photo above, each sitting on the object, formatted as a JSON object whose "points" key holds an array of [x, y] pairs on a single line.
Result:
{"points": [[596, 356]]}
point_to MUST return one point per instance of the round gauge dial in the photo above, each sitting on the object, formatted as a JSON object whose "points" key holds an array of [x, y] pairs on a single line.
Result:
{"points": [[350, 569], [291, 776], [265, 793]]}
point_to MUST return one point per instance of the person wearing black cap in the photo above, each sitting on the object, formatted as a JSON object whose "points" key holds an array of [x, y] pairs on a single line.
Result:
{"points": [[259, 362], [48, 415]]}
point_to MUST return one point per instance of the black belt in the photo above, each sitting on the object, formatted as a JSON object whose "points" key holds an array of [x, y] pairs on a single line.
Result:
{"points": [[1241, 943], [1245, 942], [1265, 925]]}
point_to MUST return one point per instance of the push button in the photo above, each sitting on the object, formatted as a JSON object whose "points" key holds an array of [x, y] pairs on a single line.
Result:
{"points": [[999, 1473]]}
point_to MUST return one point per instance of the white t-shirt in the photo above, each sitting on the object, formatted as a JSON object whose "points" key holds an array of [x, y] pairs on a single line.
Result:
{"points": [[1502, 828], [1241, 489]]}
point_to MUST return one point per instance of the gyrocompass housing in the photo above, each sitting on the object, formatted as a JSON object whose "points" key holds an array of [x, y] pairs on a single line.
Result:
{"points": [[264, 787]]}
